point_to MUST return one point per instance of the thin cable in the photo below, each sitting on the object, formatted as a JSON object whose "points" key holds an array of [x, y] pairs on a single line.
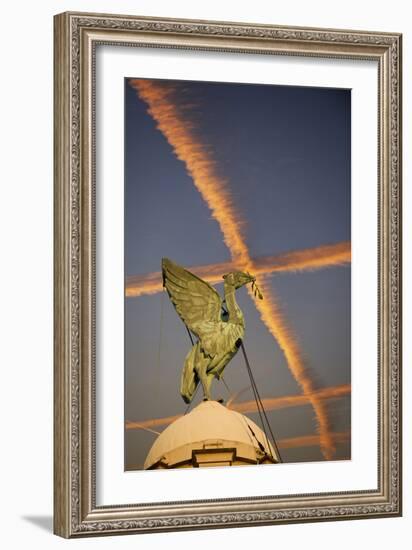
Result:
{"points": [[226, 386], [261, 410], [261, 407], [190, 335], [189, 405], [259, 403], [257, 399], [160, 345]]}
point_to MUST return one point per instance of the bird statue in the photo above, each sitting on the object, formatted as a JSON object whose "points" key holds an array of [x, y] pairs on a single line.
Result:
{"points": [[218, 324]]}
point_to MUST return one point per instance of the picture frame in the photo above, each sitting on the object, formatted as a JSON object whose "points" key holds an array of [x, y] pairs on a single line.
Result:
{"points": [[77, 36]]}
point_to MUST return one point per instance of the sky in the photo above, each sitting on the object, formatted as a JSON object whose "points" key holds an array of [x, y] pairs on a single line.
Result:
{"points": [[280, 155]]}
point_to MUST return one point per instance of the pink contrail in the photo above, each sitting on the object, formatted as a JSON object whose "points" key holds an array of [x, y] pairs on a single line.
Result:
{"points": [[311, 440], [308, 259], [274, 403], [272, 316], [244, 407], [200, 165]]}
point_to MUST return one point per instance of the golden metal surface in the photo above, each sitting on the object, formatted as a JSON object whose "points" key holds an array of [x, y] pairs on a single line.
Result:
{"points": [[219, 335]]}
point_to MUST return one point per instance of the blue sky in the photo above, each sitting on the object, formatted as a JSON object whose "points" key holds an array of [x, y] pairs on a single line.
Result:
{"points": [[284, 154]]}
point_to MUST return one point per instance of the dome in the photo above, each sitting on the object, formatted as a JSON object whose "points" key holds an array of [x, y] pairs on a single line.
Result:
{"points": [[210, 435]]}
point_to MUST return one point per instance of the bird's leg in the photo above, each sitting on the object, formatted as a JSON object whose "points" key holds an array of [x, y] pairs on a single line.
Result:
{"points": [[206, 383], [202, 363]]}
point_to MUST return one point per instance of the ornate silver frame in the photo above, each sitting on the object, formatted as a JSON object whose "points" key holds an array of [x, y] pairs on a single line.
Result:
{"points": [[76, 36]]}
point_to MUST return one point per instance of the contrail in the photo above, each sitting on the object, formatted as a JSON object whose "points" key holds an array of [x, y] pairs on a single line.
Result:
{"points": [[177, 129], [145, 428], [200, 165], [244, 407], [274, 403], [271, 315], [308, 259], [236, 395], [152, 422], [311, 440]]}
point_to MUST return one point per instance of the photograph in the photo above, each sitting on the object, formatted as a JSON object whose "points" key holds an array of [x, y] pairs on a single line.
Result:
{"points": [[237, 270]]}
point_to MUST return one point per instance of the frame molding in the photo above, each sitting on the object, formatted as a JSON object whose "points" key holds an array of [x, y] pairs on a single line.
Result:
{"points": [[75, 38]]}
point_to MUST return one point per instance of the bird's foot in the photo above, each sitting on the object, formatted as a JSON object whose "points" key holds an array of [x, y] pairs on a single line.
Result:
{"points": [[221, 400]]}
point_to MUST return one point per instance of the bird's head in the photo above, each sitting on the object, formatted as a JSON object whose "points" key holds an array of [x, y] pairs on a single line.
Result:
{"points": [[240, 278]]}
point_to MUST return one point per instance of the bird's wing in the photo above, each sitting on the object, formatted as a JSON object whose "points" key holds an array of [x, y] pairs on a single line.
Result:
{"points": [[197, 303], [219, 337]]}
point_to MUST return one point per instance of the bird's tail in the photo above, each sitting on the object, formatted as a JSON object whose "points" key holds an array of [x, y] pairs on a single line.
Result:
{"points": [[189, 380]]}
